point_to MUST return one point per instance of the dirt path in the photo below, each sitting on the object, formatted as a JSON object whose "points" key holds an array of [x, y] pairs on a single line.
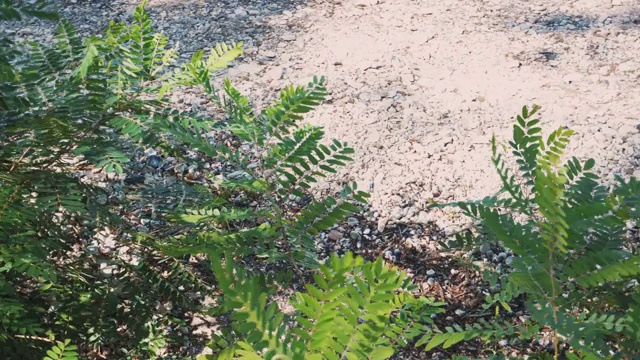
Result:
{"points": [[419, 86]]}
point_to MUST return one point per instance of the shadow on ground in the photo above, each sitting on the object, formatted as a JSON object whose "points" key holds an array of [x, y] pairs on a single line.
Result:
{"points": [[196, 24]]}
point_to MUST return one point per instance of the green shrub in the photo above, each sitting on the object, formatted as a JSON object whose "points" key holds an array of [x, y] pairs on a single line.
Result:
{"points": [[59, 106], [80, 105], [574, 264], [355, 310]]}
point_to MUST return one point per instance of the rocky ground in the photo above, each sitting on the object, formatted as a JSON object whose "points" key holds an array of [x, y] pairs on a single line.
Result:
{"points": [[418, 87]]}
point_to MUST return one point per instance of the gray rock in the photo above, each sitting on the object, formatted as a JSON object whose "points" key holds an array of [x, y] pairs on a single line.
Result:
{"points": [[485, 248], [459, 312], [288, 37], [431, 273], [335, 235], [397, 213], [425, 217], [240, 11], [154, 161], [268, 54]]}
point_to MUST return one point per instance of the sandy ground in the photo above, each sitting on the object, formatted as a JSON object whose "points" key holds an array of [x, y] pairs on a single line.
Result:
{"points": [[418, 87]]}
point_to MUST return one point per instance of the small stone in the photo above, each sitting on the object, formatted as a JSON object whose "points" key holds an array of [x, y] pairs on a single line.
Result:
{"points": [[367, 231], [423, 217], [485, 248], [268, 54], [133, 179], [352, 221], [288, 37], [154, 161], [335, 235], [431, 273], [240, 11], [502, 256], [396, 213], [431, 281], [454, 271], [459, 312], [102, 199], [397, 252], [503, 342], [355, 235], [382, 223], [509, 260]]}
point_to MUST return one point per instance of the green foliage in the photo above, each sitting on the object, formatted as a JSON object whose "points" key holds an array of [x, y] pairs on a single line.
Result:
{"points": [[354, 310], [62, 351], [77, 106], [59, 106], [289, 158], [574, 262]]}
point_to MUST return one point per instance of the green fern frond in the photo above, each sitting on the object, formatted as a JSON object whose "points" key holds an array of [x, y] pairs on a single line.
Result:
{"points": [[294, 101], [344, 315], [610, 273], [62, 351]]}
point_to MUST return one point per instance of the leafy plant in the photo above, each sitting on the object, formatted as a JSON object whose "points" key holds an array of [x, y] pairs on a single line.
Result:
{"points": [[288, 158], [575, 263], [59, 106], [79, 106], [354, 310], [62, 351]]}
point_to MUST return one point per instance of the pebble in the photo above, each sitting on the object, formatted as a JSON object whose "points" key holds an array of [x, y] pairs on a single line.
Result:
{"points": [[424, 217], [133, 179], [268, 54], [288, 37], [335, 235], [397, 213], [459, 312], [154, 161], [485, 248], [431, 273], [240, 11]]}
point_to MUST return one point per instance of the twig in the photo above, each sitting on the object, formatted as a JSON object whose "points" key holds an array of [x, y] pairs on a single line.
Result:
{"points": [[24, 153]]}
